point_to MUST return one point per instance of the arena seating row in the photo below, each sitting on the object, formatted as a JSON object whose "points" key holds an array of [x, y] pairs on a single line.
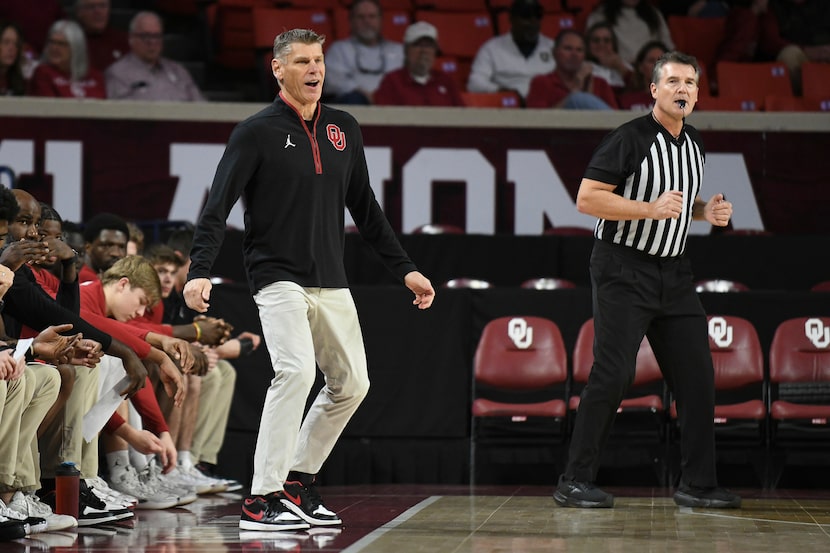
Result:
{"points": [[769, 405]]}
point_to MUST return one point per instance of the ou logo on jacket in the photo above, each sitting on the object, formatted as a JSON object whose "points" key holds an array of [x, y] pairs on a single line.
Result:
{"points": [[336, 137], [817, 333], [520, 333], [720, 332]]}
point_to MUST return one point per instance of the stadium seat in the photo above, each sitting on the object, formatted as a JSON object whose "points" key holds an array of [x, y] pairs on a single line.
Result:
{"points": [[269, 22], [549, 6], [753, 81], [456, 68], [815, 80], [823, 286], [697, 36], [551, 23], [232, 25], [793, 103], [799, 373], [520, 377], [451, 6], [460, 34], [728, 103], [505, 99], [740, 391], [437, 228]]}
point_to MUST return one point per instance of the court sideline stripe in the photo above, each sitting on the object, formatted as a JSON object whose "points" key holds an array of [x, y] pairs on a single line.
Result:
{"points": [[391, 525]]}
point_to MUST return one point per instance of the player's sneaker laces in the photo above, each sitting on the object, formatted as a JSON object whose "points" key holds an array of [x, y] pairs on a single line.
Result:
{"points": [[306, 503], [268, 513]]}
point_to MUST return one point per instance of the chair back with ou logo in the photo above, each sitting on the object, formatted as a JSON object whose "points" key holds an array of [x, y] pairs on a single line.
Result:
{"points": [[799, 374], [520, 378]]}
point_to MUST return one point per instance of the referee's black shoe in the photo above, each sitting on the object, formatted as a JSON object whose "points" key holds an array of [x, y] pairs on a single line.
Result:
{"points": [[583, 495], [712, 498]]}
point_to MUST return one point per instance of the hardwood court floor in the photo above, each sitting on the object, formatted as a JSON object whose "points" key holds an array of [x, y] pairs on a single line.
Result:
{"points": [[438, 519]]}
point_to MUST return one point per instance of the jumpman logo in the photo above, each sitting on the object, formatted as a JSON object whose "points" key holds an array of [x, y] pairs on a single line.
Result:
{"points": [[289, 143]]}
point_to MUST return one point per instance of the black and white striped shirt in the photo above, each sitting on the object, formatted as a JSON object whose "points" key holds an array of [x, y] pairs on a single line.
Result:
{"points": [[643, 160]]}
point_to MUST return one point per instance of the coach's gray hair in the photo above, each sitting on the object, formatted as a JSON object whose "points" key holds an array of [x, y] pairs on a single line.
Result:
{"points": [[674, 57], [284, 41]]}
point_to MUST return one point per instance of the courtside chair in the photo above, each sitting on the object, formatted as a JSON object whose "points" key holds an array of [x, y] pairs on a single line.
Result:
{"points": [[640, 430], [799, 374], [520, 385]]}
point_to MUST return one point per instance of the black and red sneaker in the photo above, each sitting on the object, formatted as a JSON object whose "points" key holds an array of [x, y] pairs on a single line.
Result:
{"points": [[268, 513], [304, 501]]}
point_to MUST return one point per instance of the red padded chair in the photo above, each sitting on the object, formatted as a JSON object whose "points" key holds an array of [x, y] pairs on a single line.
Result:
{"points": [[641, 417], [799, 367], [460, 34], [815, 80], [502, 99], [463, 282], [697, 36], [753, 81], [520, 376], [740, 388], [647, 374], [799, 374], [823, 286]]}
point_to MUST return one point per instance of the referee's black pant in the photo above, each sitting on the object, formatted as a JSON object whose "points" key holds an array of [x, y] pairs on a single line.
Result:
{"points": [[635, 294]]}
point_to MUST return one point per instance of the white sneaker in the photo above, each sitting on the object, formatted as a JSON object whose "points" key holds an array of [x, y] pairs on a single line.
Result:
{"points": [[31, 506], [191, 476], [108, 495], [33, 525], [125, 480], [152, 477]]}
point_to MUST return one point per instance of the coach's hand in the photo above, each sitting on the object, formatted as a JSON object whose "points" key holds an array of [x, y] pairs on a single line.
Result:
{"points": [[197, 294]]}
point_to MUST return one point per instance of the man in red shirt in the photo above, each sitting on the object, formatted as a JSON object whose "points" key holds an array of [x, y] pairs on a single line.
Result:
{"points": [[417, 83], [571, 85]]}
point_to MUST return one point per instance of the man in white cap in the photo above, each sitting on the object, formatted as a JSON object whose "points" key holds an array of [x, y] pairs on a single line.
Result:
{"points": [[417, 83]]}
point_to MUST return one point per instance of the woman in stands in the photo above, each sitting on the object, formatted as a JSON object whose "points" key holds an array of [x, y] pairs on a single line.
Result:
{"points": [[635, 22], [64, 71], [12, 82], [638, 97]]}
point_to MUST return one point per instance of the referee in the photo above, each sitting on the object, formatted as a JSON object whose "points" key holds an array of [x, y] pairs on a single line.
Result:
{"points": [[643, 183]]}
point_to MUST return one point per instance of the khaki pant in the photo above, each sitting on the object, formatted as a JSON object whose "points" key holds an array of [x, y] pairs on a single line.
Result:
{"points": [[303, 327], [214, 408]]}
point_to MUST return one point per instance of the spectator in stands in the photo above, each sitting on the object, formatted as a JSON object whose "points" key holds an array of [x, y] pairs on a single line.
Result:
{"points": [[789, 31], [635, 22], [64, 71], [12, 82], [34, 22], [603, 53], [105, 43], [417, 83], [511, 60], [144, 74], [572, 85], [639, 97], [356, 65]]}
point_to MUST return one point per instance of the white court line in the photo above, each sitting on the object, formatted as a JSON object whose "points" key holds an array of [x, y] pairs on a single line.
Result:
{"points": [[690, 511], [391, 525]]}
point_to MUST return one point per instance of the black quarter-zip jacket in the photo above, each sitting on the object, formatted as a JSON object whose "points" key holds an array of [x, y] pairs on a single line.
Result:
{"points": [[295, 178]]}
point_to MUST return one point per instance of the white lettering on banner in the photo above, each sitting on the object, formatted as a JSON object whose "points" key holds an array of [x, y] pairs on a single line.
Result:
{"points": [[18, 155], [519, 331], [195, 165], [379, 162], [449, 164], [540, 191], [64, 160], [727, 173], [720, 331], [817, 333]]}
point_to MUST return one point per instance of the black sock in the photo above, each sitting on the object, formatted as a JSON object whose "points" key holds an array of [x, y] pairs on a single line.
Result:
{"points": [[303, 478]]}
